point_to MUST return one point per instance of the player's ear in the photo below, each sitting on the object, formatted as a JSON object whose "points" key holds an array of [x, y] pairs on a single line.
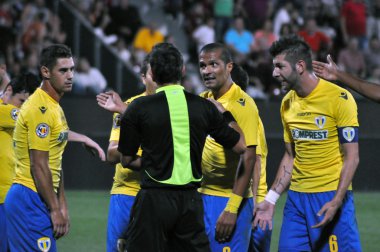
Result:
{"points": [[45, 72], [229, 66], [300, 66]]}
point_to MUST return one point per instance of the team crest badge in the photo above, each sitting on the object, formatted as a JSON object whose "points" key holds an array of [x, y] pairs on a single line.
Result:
{"points": [[44, 244], [42, 130], [348, 133], [14, 113], [116, 121], [320, 121]]}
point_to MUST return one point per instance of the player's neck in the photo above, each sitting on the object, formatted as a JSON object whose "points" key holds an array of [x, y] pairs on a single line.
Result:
{"points": [[307, 84], [217, 93], [48, 88]]}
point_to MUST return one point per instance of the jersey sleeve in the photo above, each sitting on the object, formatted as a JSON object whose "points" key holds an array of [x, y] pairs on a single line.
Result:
{"points": [[39, 126], [287, 135], [8, 116], [115, 131], [346, 112], [130, 139], [247, 117]]}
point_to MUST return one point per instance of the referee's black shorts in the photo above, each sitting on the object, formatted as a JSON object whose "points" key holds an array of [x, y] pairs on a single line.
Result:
{"points": [[167, 220]]}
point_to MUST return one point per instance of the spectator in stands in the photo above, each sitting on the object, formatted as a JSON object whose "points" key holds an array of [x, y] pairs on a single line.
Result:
{"points": [[239, 40], [204, 34], [372, 54], [264, 37], [353, 20], [88, 80], [373, 20], [282, 16], [223, 14], [351, 59], [35, 33], [146, 38], [318, 41], [125, 21]]}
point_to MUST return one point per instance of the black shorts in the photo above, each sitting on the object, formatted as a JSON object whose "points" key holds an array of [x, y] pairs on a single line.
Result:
{"points": [[167, 220]]}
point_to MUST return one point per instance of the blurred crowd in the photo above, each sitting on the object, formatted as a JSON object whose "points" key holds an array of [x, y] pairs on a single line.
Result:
{"points": [[349, 30]]}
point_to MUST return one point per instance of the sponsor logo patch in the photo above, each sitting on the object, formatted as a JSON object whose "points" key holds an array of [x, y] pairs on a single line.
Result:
{"points": [[298, 134], [14, 113], [42, 130], [348, 133], [44, 244], [320, 121]]}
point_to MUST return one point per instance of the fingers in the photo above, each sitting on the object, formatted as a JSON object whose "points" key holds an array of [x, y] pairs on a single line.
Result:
{"points": [[101, 153]]}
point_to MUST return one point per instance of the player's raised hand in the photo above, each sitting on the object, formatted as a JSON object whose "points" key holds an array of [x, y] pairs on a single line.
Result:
{"points": [[225, 226], [263, 214], [327, 71], [111, 101], [328, 210]]}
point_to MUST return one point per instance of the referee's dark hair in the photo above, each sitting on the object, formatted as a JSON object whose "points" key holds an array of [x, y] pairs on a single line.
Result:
{"points": [[166, 63], [225, 56], [294, 48]]}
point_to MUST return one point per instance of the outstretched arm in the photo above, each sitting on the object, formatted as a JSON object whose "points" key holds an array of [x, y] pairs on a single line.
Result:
{"points": [[331, 72], [88, 142], [265, 210]]}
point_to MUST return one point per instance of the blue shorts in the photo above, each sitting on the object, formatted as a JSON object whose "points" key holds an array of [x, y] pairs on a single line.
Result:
{"points": [[29, 227], [118, 220], [260, 240], [3, 230], [213, 207], [300, 213]]}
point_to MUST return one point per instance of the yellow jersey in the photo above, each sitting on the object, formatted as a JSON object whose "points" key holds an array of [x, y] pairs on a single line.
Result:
{"points": [[8, 116], [126, 181], [41, 125], [218, 164], [262, 150], [312, 123]]}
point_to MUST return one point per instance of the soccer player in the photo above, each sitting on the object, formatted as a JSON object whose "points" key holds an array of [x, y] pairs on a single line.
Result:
{"points": [[35, 205], [225, 189], [260, 239], [126, 182], [171, 127], [16, 92], [321, 156], [330, 71]]}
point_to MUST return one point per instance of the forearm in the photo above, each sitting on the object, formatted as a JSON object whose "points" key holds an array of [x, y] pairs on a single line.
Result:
{"points": [[368, 89], [113, 155], [346, 176], [244, 172], [61, 194], [77, 137], [284, 175], [133, 163], [44, 185], [256, 176]]}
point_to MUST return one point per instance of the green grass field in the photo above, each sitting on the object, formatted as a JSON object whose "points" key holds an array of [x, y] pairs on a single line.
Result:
{"points": [[88, 213]]}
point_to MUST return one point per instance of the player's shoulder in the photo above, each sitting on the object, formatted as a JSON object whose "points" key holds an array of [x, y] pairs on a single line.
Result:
{"points": [[336, 93], [134, 98]]}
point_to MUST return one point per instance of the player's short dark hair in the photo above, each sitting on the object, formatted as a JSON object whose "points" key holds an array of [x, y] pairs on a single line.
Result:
{"points": [[240, 76], [225, 56], [166, 63], [26, 82], [50, 54], [144, 66], [294, 48]]}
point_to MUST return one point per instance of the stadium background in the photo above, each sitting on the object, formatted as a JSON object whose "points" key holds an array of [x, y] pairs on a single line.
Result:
{"points": [[88, 180]]}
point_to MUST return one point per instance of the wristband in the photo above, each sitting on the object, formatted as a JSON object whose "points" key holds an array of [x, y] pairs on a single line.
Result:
{"points": [[228, 116], [272, 197], [233, 203]]}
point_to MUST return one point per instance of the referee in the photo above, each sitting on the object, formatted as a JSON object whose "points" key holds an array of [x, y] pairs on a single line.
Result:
{"points": [[171, 126]]}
